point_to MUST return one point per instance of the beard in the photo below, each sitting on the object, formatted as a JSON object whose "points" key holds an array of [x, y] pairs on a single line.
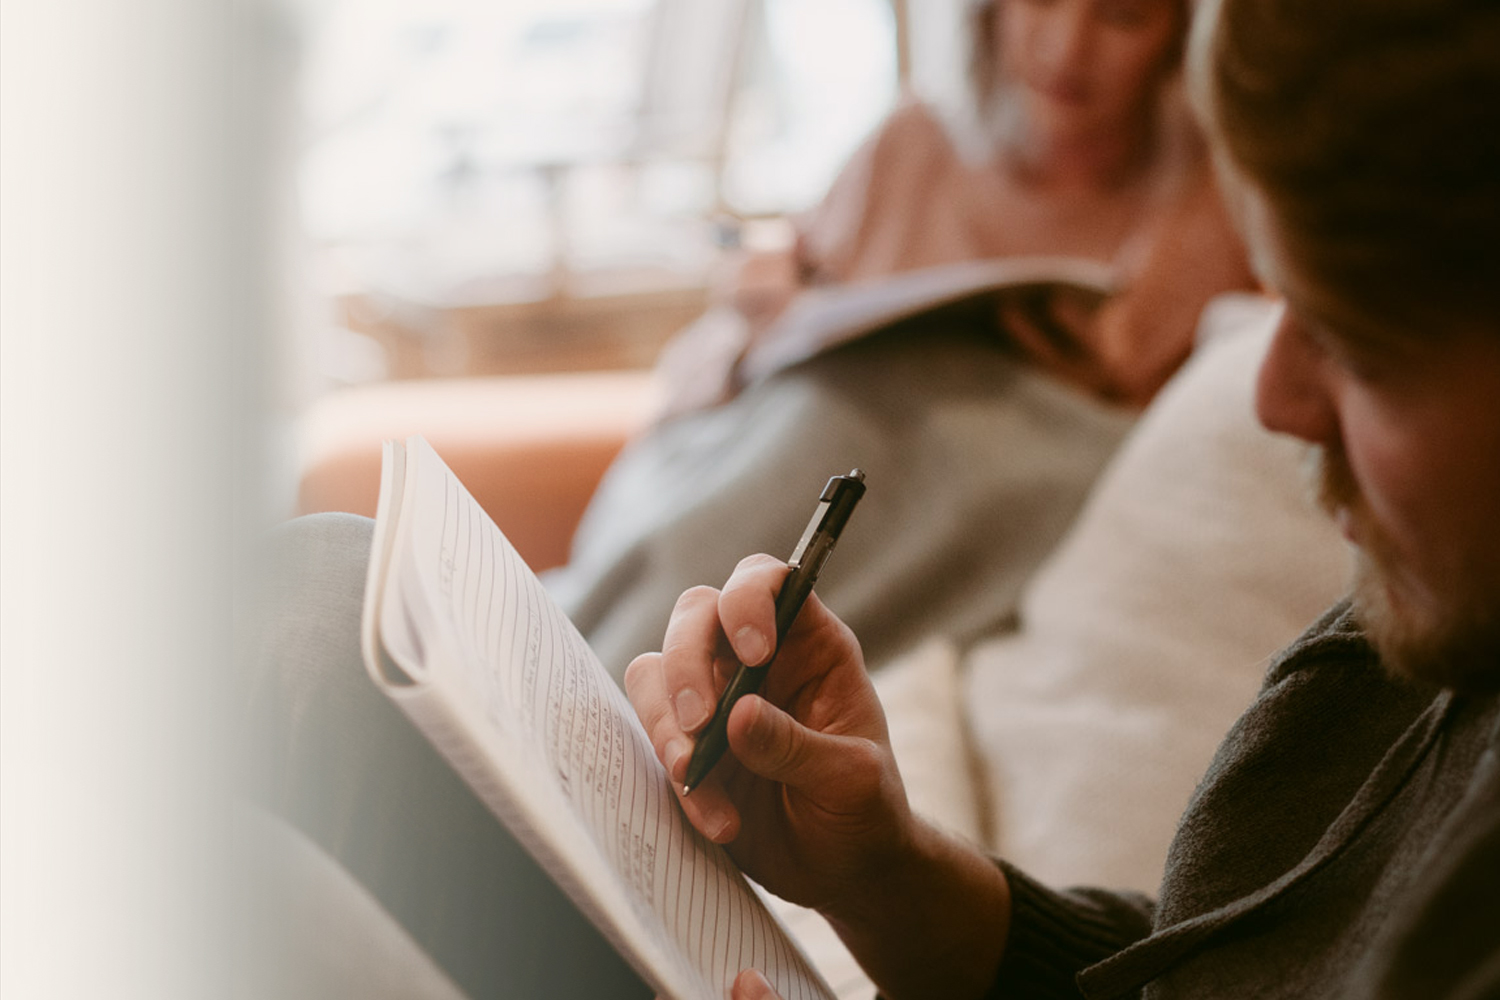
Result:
{"points": [[1452, 641]]}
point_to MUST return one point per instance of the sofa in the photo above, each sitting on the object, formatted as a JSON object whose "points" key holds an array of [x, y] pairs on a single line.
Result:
{"points": [[1069, 743], [531, 448]]}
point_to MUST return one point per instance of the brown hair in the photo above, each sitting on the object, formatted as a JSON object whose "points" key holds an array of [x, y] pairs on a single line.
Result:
{"points": [[1371, 129]]}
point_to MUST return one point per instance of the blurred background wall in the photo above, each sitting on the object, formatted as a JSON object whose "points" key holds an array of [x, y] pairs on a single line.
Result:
{"points": [[504, 186]]}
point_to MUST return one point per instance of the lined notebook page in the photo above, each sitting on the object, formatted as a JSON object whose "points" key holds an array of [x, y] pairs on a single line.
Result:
{"points": [[566, 747]]}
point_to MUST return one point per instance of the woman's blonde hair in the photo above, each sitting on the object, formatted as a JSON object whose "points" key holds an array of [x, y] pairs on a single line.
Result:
{"points": [[1371, 131]]}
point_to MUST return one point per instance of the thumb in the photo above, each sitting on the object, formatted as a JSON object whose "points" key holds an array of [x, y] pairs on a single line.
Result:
{"points": [[777, 747]]}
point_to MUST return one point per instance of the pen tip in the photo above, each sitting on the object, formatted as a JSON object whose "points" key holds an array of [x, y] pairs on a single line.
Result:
{"points": [[687, 789]]}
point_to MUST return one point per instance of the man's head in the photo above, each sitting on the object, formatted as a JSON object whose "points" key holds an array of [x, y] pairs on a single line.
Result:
{"points": [[1361, 140]]}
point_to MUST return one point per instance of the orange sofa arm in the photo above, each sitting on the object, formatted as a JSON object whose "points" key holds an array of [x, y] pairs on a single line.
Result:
{"points": [[529, 448]]}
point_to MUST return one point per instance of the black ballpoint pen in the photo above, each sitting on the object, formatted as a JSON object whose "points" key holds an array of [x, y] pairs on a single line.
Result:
{"points": [[834, 508]]}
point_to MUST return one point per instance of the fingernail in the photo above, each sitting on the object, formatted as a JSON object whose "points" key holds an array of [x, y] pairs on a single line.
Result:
{"points": [[677, 748], [750, 646], [692, 710], [718, 828]]}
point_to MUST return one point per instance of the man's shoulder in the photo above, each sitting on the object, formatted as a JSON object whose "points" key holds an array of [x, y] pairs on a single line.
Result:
{"points": [[1336, 636], [1328, 686]]}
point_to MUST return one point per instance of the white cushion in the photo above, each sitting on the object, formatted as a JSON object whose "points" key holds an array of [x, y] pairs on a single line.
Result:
{"points": [[1147, 632]]}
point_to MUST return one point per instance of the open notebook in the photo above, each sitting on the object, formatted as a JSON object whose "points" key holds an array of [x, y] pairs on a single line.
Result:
{"points": [[822, 317], [460, 634]]}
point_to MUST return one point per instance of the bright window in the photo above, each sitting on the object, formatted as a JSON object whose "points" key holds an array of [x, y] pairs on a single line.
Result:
{"points": [[491, 149]]}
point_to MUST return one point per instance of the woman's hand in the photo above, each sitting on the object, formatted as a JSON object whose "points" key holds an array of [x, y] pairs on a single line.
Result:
{"points": [[760, 285], [1121, 352], [1057, 330]]}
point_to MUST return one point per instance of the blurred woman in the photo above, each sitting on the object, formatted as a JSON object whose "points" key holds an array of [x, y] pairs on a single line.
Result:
{"points": [[1072, 141]]}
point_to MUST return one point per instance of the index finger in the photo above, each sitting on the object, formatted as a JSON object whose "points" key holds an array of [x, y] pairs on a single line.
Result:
{"points": [[712, 632]]}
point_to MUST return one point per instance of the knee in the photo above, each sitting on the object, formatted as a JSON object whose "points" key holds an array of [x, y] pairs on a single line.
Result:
{"points": [[300, 617], [308, 703], [330, 548]]}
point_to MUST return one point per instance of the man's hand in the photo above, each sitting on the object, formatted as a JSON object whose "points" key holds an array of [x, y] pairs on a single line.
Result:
{"points": [[751, 985], [810, 768], [809, 802]]}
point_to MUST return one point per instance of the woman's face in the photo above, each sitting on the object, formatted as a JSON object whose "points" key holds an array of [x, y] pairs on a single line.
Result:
{"points": [[1081, 66]]}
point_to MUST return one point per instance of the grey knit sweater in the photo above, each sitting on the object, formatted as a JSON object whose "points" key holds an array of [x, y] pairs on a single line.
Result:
{"points": [[1345, 843]]}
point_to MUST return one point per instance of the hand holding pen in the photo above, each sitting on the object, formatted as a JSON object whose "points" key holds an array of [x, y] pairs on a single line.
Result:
{"points": [[808, 801], [818, 671], [834, 507], [809, 777]]}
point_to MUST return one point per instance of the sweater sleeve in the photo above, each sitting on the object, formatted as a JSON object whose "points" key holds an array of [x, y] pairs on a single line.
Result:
{"points": [[1054, 935], [1442, 940]]}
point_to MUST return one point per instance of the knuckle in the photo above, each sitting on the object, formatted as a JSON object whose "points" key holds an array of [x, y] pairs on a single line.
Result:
{"points": [[695, 597], [758, 563], [660, 730], [637, 672], [844, 634], [680, 650], [865, 760], [647, 697], [785, 747], [866, 775]]}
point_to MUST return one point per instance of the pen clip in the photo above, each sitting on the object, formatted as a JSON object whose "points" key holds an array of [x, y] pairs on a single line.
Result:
{"points": [[834, 506]]}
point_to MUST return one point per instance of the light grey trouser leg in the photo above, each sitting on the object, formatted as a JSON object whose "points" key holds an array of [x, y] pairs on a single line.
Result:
{"points": [[334, 757]]}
